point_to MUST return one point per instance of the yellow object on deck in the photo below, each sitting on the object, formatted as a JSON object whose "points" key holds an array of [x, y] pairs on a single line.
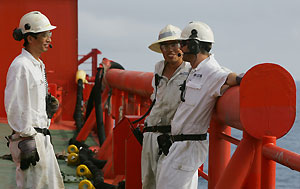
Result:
{"points": [[86, 184], [83, 170], [73, 149]]}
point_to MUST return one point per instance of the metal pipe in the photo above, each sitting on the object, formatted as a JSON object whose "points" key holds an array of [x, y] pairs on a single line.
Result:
{"points": [[282, 156], [130, 81], [268, 166], [239, 165], [228, 108]]}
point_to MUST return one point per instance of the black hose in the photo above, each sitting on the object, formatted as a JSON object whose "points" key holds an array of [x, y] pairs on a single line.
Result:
{"points": [[98, 106], [78, 113], [95, 166]]}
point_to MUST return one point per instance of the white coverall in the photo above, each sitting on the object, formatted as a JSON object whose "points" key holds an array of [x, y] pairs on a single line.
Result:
{"points": [[178, 170], [167, 101], [25, 107]]}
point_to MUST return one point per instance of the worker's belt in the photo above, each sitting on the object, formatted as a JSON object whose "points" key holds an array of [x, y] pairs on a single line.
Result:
{"points": [[44, 131], [160, 129], [16, 136], [183, 137], [165, 141]]}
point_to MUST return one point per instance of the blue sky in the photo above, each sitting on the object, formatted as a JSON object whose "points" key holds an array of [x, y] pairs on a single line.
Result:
{"points": [[246, 32]]}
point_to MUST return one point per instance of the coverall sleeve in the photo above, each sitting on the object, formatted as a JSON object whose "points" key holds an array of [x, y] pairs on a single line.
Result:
{"points": [[220, 79], [17, 101]]}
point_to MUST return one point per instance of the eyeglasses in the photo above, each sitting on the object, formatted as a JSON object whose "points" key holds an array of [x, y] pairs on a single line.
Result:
{"points": [[171, 46], [46, 34]]}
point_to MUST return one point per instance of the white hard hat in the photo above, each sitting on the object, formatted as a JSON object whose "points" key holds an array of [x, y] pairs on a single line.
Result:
{"points": [[35, 22], [168, 33], [198, 30]]}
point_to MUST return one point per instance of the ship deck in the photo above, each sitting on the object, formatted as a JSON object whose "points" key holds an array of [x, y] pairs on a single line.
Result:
{"points": [[60, 137]]}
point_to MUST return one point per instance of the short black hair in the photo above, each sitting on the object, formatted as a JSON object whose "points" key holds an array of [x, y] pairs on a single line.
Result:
{"points": [[205, 47]]}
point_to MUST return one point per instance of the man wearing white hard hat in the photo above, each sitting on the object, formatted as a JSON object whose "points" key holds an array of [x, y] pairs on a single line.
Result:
{"points": [[168, 75], [25, 104], [188, 145]]}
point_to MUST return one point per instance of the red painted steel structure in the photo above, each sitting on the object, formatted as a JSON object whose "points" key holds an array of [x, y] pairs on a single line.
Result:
{"points": [[252, 164], [61, 60], [263, 107]]}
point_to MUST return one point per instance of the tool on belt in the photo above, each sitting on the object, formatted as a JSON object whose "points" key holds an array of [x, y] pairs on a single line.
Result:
{"points": [[165, 141]]}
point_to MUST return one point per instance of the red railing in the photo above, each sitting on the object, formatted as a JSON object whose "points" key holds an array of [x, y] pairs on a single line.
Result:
{"points": [[263, 107]]}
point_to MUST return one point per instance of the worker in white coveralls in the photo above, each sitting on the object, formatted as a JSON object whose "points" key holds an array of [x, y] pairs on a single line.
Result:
{"points": [[168, 75], [187, 146], [25, 105]]}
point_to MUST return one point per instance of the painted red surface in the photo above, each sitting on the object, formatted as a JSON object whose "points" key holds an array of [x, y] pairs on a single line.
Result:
{"points": [[61, 61]]}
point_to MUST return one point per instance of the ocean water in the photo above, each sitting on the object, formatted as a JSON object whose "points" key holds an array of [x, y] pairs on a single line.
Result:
{"points": [[286, 178]]}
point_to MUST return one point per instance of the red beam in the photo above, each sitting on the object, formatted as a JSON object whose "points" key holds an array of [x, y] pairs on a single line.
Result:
{"points": [[85, 57], [229, 138]]}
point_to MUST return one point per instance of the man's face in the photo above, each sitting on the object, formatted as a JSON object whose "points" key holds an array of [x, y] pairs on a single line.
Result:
{"points": [[170, 51], [42, 41], [184, 48]]}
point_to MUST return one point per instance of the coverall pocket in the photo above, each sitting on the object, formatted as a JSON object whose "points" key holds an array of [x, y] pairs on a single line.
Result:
{"points": [[192, 93], [183, 166]]}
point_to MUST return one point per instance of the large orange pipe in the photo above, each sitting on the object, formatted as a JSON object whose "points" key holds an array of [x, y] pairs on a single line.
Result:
{"points": [[130, 81], [263, 105], [228, 108]]}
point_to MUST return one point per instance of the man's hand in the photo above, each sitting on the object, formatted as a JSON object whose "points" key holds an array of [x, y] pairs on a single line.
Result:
{"points": [[29, 154], [52, 105], [239, 78]]}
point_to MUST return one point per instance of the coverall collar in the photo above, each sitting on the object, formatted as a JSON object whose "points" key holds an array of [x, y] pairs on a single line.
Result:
{"points": [[30, 57]]}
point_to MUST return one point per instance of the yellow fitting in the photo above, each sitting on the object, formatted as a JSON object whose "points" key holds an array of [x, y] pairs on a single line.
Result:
{"points": [[81, 75], [86, 184], [73, 149], [73, 159], [83, 170]]}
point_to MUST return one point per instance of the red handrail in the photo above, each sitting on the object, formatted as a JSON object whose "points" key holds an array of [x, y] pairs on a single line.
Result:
{"points": [[263, 107]]}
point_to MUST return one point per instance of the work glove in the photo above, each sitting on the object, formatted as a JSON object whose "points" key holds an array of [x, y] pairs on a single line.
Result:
{"points": [[29, 154], [239, 78], [164, 143], [52, 105]]}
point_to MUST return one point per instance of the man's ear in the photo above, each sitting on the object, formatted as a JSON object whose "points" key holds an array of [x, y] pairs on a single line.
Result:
{"points": [[30, 39]]}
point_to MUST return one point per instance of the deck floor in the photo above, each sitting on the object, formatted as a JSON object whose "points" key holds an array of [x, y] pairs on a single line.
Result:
{"points": [[60, 140]]}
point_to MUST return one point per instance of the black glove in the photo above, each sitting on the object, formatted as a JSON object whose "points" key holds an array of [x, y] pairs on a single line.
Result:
{"points": [[52, 105], [164, 143], [29, 154], [239, 78]]}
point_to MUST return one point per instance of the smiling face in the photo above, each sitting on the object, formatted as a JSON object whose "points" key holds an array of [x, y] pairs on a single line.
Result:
{"points": [[42, 41], [170, 51], [39, 43]]}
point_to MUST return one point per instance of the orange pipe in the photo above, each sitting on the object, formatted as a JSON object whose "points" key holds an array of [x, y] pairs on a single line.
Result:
{"points": [[282, 156], [130, 81], [228, 108], [201, 173], [268, 167], [239, 166], [217, 148]]}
